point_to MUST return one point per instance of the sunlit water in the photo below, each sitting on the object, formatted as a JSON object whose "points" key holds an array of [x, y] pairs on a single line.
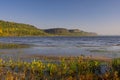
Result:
{"points": [[108, 46]]}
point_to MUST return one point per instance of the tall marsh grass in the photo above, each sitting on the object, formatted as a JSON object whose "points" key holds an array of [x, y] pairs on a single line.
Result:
{"points": [[72, 68]]}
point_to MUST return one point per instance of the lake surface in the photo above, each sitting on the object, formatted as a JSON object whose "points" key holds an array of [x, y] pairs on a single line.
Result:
{"points": [[106, 46]]}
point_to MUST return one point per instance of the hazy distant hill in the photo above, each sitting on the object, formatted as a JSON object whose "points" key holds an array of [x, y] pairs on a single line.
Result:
{"points": [[20, 29], [71, 32]]}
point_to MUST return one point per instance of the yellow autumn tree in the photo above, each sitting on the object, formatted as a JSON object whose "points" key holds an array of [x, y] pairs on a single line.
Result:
{"points": [[1, 31]]}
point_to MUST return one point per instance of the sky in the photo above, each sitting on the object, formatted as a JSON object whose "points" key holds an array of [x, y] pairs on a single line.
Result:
{"points": [[100, 16]]}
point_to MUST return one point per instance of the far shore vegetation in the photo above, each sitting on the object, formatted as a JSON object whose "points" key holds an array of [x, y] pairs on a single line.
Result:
{"points": [[12, 29]]}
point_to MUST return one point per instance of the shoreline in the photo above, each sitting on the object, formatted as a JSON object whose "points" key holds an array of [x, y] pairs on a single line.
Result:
{"points": [[98, 58]]}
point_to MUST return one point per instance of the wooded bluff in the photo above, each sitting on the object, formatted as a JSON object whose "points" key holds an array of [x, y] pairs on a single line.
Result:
{"points": [[9, 29]]}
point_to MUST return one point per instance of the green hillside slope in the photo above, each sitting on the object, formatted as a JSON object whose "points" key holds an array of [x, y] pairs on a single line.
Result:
{"points": [[20, 29]]}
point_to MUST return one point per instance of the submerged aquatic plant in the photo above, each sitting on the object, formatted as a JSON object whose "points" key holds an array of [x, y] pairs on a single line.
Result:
{"points": [[12, 46]]}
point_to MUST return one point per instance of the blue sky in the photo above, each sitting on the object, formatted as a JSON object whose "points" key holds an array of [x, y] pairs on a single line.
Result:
{"points": [[101, 16]]}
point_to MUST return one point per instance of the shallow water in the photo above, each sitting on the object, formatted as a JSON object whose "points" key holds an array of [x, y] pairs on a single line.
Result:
{"points": [[106, 46]]}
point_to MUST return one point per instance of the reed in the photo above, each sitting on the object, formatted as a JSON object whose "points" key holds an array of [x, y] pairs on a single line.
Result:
{"points": [[72, 68]]}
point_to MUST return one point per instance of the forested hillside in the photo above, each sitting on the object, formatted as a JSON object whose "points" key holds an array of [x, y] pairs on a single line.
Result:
{"points": [[67, 32], [20, 29]]}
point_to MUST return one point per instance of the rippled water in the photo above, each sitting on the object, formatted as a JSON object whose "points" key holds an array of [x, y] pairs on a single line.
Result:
{"points": [[108, 46]]}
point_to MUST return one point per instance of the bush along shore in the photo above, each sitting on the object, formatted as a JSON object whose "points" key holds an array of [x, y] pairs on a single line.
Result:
{"points": [[72, 68]]}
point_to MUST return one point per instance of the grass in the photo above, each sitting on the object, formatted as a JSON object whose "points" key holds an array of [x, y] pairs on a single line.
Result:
{"points": [[63, 68]]}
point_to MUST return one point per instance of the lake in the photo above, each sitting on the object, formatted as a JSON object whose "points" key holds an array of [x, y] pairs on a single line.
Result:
{"points": [[106, 46]]}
